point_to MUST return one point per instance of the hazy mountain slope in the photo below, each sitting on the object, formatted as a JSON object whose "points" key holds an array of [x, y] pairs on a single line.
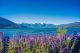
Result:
{"points": [[70, 25], [4, 23]]}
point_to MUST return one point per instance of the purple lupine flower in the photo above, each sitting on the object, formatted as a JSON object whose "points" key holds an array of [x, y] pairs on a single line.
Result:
{"points": [[52, 45], [31, 43], [65, 50]]}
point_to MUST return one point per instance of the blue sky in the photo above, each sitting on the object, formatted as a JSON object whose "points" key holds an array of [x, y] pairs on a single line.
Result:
{"points": [[41, 11]]}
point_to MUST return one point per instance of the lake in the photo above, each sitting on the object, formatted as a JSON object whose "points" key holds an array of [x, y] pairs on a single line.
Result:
{"points": [[45, 31]]}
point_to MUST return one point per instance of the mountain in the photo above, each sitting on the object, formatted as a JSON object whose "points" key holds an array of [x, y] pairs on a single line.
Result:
{"points": [[37, 25], [70, 25], [4, 23]]}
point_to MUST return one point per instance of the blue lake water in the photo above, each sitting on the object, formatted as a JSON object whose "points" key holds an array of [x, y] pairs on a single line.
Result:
{"points": [[52, 31]]}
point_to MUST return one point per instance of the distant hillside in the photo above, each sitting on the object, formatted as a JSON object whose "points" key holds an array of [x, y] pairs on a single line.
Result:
{"points": [[37, 25], [70, 25], [4, 23]]}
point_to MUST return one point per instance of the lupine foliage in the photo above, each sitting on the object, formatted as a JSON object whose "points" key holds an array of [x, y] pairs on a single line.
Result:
{"points": [[41, 44]]}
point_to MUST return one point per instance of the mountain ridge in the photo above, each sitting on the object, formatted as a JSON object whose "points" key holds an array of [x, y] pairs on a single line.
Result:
{"points": [[5, 23]]}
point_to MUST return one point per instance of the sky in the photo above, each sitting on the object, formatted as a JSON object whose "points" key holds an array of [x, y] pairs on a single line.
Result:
{"points": [[41, 11]]}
